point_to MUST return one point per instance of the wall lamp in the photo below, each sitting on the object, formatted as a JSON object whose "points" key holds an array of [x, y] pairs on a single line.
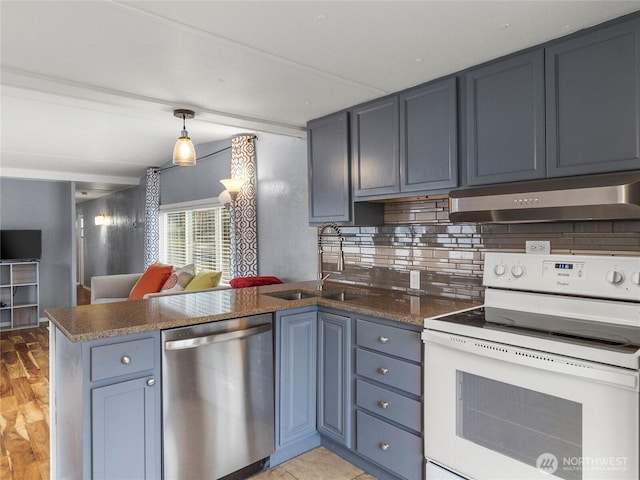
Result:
{"points": [[102, 219], [184, 154]]}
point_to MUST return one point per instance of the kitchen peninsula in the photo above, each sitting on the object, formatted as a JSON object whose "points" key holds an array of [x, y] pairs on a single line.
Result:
{"points": [[113, 351]]}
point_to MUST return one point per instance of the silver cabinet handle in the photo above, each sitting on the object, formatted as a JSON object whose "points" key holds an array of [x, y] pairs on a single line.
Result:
{"points": [[383, 404], [151, 382], [384, 447], [383, 371], [126, 360], [383, 339]]}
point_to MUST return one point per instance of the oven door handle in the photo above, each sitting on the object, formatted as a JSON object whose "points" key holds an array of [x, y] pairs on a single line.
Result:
{"points": [[616, 376]]}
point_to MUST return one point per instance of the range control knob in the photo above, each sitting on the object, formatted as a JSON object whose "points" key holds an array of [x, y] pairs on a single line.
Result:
{"points": [[500, 269], [615, 277], [517, 271], [635, 278]]}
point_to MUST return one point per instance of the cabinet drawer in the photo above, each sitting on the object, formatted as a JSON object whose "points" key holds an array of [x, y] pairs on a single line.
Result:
{"points": [[122, 358], [389, 371], [389, 446], [390, 405], [391, 340]]}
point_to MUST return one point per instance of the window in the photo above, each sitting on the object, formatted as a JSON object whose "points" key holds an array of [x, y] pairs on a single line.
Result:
{"points": [[196, 233]]}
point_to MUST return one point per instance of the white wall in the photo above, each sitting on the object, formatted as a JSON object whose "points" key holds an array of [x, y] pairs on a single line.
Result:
{"points": [[286, 244]]}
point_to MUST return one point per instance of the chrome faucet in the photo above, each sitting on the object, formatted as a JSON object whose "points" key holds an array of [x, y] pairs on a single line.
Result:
{"points": [[340, 263]]}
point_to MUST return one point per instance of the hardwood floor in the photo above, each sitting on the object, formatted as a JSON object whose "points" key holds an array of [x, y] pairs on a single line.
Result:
{"points": [[24, 404], [83, 295], [24, 401]]}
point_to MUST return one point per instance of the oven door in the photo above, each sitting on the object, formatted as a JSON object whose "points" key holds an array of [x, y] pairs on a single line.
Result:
{"points": [[493, 411]]}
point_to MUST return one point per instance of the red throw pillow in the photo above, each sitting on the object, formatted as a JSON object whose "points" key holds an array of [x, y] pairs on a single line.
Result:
{"points": [[242, 282], [151, 281]]}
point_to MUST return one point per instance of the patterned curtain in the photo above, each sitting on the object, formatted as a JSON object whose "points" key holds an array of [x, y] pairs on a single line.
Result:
{"points": [[152, 217], [244, 219]]}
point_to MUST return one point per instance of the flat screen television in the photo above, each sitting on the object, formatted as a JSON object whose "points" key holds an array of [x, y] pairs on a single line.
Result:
{"points": [[20, 244]]}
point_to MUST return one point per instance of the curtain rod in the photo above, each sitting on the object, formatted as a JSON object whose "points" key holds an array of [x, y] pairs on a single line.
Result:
{"points": [[198, 158]]}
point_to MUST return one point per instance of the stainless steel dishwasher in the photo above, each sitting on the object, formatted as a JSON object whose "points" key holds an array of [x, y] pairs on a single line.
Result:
{"points": [[218, 397]]}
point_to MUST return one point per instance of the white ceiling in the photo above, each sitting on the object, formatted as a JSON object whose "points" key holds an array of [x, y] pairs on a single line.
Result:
{"points": [[88, 87]]}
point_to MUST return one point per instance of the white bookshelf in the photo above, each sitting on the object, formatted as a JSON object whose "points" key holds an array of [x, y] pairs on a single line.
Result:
{"points": [[19, 295]]}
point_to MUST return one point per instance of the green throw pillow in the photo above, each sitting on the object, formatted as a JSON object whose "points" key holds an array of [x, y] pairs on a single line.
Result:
{"points": [[204, 279]]}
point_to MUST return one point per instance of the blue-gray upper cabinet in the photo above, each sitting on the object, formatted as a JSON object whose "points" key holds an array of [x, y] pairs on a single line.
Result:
{"points": [[334, 375], [329, 176], [429, 137], [505, 120], [296, 376], [376, 149], [593, 102]]}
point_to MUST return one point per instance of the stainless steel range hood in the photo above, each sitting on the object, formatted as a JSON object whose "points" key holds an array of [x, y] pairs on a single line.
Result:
{"points": [[591, 197]]}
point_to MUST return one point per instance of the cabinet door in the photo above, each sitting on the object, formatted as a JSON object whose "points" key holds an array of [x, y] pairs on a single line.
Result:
{"points": [[126, 430], [295, 376], [329, 176], [334, 368], [505, 121], [429, 138], [375, 134], [593, 102]]}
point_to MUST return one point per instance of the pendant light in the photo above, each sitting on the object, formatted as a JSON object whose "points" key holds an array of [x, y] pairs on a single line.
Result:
{"points": [[184, 154]]}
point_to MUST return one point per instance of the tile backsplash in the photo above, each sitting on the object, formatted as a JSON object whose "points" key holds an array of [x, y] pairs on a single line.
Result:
{"points": [[417, 235]]}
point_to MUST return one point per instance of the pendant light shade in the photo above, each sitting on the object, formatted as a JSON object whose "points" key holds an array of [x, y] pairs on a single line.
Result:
{"points": [[184, 154]]}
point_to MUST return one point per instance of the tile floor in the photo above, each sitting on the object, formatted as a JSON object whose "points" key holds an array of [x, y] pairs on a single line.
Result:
{"points": [[317, 464]]}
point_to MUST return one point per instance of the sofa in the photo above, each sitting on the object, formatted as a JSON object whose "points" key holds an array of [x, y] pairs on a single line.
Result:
{"points": [[116, 288]]}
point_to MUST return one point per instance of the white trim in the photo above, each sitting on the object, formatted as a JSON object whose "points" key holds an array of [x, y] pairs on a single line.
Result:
{"points": [[50, 175], [191, 205]]}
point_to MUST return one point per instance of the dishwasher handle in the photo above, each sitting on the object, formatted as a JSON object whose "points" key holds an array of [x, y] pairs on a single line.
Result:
{"points": [[194, 342]]}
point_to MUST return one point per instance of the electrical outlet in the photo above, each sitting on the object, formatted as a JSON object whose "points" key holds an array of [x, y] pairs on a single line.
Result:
{"points": [[538, 246], [414, 279], [414, 305]]}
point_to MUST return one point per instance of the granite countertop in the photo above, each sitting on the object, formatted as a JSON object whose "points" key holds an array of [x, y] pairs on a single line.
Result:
{"points": [[90, 322]]}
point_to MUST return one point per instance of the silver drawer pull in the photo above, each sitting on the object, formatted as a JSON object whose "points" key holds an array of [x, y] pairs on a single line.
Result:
{"points": [[151, 382], [384, 447], [383, 404], [126, 360], [383, 371], [384, 339]]}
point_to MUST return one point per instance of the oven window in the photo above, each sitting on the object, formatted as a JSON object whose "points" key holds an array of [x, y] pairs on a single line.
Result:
{"points": [[532, 427]]}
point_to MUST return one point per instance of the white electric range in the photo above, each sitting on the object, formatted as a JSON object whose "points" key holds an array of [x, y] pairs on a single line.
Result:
{"points": [[543, 379]]}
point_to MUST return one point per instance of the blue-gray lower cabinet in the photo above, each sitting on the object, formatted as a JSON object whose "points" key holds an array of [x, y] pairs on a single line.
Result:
{"points": [[124, 430], [334, 377], [388, 394], [295, 377], [107, 407]]}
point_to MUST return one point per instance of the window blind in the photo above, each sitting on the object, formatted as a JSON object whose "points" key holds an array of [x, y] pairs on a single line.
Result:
{"points": [[201, 236]]}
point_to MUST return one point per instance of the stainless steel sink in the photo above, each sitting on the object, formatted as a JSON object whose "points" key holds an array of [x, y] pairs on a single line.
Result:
{"points": [[295, 295], [343, 296]]}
